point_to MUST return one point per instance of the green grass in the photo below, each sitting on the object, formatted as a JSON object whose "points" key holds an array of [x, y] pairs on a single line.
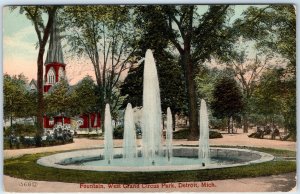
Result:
{"points": [[274, 152], [26, 167]]}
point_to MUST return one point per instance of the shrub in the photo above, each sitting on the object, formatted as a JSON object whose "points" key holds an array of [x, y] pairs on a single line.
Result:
{"points": [[218, 123], [214, 134], [183, 134], [21, 130], [118, 132]]}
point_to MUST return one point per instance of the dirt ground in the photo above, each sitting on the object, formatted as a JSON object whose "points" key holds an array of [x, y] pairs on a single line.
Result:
{"points": [[283, 182]]}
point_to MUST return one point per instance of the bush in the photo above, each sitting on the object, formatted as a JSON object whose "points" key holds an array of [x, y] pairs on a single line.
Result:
{"points": [[183, 134], [214, 134], [118, 132], [21, 130], [24, 136], [218, 123]]}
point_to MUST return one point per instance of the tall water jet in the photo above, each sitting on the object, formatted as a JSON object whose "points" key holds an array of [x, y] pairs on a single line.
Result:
{"points": [[108, 136], [151, 119], [169, 135], [129, 137], [204, 152]]}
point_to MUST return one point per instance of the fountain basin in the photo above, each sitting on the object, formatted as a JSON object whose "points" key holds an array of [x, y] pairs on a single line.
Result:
{"points": [[184, 158]]}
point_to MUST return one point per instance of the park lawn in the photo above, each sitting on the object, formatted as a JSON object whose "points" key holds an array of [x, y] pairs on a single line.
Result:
{"points": [[274, 152], [25, 167]]}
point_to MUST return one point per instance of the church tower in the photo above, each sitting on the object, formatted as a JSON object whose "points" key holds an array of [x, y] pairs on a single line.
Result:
{"points": [[54, 72], [54, 64]]}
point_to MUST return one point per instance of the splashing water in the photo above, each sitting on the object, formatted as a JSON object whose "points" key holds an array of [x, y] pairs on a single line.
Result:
{"points": [[151, 119], [204, 134], [129, 139], [169, 135], [108, 136]]}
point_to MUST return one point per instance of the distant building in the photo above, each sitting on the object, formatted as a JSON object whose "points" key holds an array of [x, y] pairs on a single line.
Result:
{"points": [[55, 70], [32, 85]]}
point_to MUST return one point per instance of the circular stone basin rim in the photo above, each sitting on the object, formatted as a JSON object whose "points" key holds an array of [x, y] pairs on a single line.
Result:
{"points": [[56, 160]]}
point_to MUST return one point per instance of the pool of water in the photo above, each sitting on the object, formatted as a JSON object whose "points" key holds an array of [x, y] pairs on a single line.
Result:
{"points": [[159, 161], [184, 158]]}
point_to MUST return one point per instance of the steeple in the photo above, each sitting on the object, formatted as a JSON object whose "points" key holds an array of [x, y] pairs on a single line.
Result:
{"points": [[54, 53]]}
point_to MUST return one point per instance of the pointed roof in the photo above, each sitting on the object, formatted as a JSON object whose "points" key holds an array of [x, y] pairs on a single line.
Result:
{"points": [[33, 82], [55, 53], [32, 85]]}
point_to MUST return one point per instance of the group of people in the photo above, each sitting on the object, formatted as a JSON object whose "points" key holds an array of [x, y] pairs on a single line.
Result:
{"points": [[266, 130]]}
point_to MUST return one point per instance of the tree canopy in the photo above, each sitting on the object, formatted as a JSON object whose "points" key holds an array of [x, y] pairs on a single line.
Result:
{"points": [[191, 43], [18, 101], [227, 99]]}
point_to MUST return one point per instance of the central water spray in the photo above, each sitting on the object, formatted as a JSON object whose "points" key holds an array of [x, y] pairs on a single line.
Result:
{"points": [[152, 151], [151, 119]]}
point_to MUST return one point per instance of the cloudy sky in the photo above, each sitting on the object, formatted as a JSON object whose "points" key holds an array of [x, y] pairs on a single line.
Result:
{"points": [[20, 53]]}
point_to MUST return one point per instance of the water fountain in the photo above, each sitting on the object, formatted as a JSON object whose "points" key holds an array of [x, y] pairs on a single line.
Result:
{"points": [[151, 119], [153, 156], [108, 136], [204, 134], [129, 138], [169, 135]]}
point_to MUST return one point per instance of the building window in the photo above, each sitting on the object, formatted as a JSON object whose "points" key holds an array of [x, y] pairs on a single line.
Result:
{"points": [[51, 76]]}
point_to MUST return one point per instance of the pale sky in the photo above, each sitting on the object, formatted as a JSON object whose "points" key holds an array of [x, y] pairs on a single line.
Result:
{"points": [[20, 54]]}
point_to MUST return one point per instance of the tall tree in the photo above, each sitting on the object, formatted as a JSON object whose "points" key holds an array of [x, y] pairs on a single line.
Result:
{"points": [[170, 84], [195, 38], [248, 70], [42, 29], [275, 96], [18, 101], [169, 72], [205, 82], [84, 96], [101, 33], [227, 101], [273, 28], [59, 99]]}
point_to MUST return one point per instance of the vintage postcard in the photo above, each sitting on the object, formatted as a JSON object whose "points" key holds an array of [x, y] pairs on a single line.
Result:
{"points": [[149, 98]]}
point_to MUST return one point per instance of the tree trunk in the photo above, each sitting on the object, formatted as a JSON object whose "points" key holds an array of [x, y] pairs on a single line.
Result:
{"points": [[245, 124], [11, 121], [192, 101], [40, 73], [174, 120], [228, 124], [189, 75], [102, 115], [163, 123], [40, 102]]}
